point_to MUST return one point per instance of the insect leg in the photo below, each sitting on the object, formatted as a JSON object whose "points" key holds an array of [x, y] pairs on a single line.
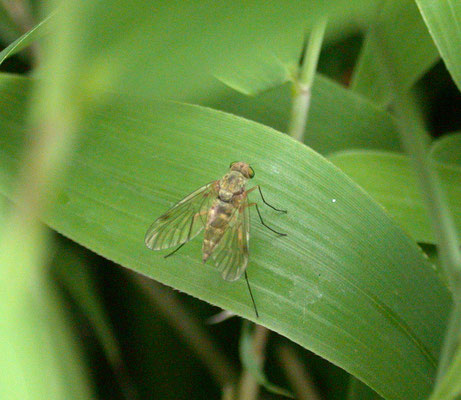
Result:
{"points": [[175, 250], [264, 200], [199, 214], [262, 222], [251, 295]]}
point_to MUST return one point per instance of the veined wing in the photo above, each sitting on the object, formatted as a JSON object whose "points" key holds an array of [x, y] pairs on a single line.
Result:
{"points": [[231, 253], [183, 221]]}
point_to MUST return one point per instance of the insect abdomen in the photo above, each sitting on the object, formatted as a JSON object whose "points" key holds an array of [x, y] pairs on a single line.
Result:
{"points": [[217, 223]]}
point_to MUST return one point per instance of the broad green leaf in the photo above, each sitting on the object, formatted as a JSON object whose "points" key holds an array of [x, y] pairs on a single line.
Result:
{"points": [[25, 40], [395, 30], [443, 19], [338, 118], [448, 149], [345, 282], [390, 179], [359, 391]]}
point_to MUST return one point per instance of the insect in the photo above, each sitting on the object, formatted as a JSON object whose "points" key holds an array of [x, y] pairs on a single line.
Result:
{"points": [[221, 208]]}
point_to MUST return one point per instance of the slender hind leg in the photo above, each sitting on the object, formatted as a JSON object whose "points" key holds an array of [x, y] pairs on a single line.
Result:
{"points": [[262, 221], [264, 200]]}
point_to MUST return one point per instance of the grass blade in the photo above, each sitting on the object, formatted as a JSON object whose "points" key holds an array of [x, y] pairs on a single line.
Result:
{"points": [[344, 272]]}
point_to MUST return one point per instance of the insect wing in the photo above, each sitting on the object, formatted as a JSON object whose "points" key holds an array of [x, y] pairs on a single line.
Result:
{"points": [[183, 221], [231, 253]]}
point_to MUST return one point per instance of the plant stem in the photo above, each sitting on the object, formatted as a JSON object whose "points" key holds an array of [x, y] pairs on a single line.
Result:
{"points": [[303, 83], [297, 375], [228, 392], [248, 385], [415, 141], [191, 331], [451, 343]]}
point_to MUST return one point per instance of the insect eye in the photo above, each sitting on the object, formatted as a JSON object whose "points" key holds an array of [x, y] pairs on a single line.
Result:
{"points": [[251, 172], [232, 163]]}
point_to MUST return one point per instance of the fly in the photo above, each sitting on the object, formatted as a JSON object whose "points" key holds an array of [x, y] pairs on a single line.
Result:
{"points": [[221, 208]]}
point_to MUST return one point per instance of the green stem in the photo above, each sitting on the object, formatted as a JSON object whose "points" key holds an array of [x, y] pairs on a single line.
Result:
{"points": [[303, 83], [415, 141], [249, 385], [191, 330], [297, 374], [451, 343]]}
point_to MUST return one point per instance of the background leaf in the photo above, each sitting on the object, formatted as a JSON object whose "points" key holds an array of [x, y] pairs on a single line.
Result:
{"points": [[395, 30], [394, 185], [448, 149], [443, 21], [338, 118], [344, 272], [359, 391], [250, 46]]}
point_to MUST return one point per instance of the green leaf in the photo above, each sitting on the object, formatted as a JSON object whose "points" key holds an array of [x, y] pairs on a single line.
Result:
{"points": [[397, 27], [345, 282], [359, 391], [447, 149], [443, 19], [338, 118], [179, 50], [87, 59], [390, 179], [25, 40]]}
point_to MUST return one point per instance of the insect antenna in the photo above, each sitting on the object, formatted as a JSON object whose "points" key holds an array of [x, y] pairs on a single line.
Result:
{"points": [[251, 295]]}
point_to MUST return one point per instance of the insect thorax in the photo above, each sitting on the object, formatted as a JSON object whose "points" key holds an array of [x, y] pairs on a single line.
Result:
{"points": [[233, 183]]}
